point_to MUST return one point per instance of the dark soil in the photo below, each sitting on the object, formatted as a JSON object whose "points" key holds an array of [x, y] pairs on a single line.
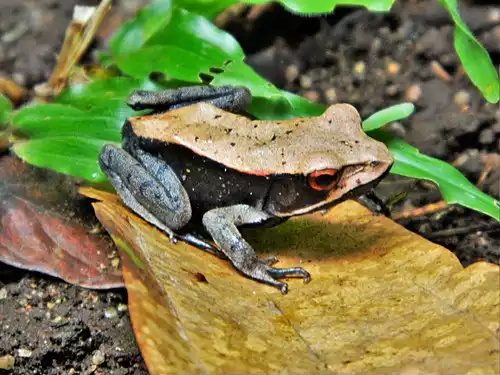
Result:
{"points": [[368, 60]]}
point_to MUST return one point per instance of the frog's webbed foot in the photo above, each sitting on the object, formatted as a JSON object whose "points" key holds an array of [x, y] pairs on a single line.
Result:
{"points": [[229, 98], [222, 224]]}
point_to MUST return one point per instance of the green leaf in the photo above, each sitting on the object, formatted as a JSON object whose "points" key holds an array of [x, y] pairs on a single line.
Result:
{"points": [[205, 8], [190, 47], [287, 105], [74, 156], [51, 120], [474, 57], [194, 33], [95, 93], [67, 135], [327, 6], [387, 115], [132, 35], [454, 187], [5, 110]]}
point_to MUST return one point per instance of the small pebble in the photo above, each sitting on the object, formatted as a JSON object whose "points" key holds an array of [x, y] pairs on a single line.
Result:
{"points": [[393, 68], [359, 70], [24, 353], [98, 358], [3, 293], [439, 71], [487, 136], [496, 31], [331, 95], [461, 98], [496, 127], [376, 45], [110, 313], [413, 93], [7, 362], [305, 82], [19, 78], [392, 90], [58, 319], [122, 307], [312, 95], [494, 15], [291, 73]]}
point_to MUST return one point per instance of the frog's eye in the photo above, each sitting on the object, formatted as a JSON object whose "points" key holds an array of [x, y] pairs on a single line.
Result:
{"points": [[322, 180]]}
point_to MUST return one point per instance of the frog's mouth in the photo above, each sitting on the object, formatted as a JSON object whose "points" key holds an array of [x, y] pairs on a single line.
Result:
{"points": [[352, 181]]}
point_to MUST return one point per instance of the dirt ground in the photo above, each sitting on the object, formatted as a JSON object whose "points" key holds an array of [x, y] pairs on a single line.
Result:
{"points": [[368, 60]]}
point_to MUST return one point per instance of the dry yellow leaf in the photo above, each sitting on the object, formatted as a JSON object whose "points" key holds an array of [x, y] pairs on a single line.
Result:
{"points": [[381, 300]]}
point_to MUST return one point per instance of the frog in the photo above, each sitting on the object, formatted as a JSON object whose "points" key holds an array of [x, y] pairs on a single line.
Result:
{"points": [[199, 167]]}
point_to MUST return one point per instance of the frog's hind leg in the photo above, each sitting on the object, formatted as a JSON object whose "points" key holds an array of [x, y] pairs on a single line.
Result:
{"points": [[148, 186], [222, 224], [229, 98]]}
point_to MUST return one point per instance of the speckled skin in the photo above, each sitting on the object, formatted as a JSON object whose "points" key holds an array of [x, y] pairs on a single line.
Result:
{"points": [[200, 165]]}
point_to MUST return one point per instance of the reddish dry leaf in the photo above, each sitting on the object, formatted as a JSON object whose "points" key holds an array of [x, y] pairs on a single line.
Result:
{"points": [[381, 300], [43, 227]]}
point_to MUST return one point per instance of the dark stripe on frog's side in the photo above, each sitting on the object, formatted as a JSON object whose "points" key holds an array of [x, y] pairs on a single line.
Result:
{"points": [[210, 184]]}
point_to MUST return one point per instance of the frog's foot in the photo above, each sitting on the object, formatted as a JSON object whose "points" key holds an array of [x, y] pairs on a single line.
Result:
{"points": [[222, 224], [375, 204], [230, 98], [261, 270], [148, 187]]}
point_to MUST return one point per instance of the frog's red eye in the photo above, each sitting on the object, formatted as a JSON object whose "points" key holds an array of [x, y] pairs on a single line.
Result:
{"points": [[322, 180]]}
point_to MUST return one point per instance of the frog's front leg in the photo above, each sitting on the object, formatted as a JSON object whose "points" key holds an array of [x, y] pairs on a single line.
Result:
{"points": [[148, 186], [229, 98], [222, 225]]}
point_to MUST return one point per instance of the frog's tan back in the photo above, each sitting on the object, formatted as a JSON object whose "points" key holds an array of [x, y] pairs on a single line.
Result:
{"points": [[262, 147]]}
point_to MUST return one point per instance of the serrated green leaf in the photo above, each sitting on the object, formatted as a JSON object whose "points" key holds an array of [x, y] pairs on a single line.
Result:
{"points": [[474, 57], [387, 115], [75, 156], [327, 6], [454, 187], [5, 110]]}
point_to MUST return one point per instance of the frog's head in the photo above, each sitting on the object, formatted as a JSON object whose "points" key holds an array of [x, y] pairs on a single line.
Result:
{"points": [[339, 161]]}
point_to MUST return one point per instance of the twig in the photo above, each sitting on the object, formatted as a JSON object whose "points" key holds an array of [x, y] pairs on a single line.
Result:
{"points": [[420, 211], [11, 89], [78, 37], [463, 231]]}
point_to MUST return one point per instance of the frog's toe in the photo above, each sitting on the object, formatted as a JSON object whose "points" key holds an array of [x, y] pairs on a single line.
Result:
{"points": [[262, 271], [279, 273]]}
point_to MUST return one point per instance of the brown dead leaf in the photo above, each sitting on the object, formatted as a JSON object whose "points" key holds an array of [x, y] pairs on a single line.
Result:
{"points": [[45, 227], [381, 300]]}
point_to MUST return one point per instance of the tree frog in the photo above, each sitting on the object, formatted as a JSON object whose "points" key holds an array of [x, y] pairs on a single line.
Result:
{"points": [[198, 162]]}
